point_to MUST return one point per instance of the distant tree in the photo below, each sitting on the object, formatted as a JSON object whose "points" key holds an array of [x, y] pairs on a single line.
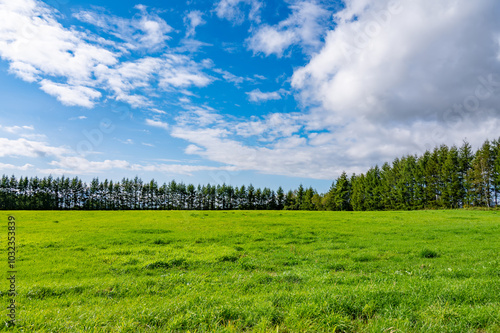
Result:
{"points": [[359, 189], [290, 202], [453, 187], [496, 170], [251, 197], [465, 159], [307, 203], [342, 195], [280, 198], [299, 197]]}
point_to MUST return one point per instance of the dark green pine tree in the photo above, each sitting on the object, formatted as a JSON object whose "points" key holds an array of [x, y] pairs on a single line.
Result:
{"points": [[280, 198], [328, 199], [465, 158], [290, 202], [307, 203], [388, 185], [432, 173], [359, 189], [251, 197], [299, 198], [452, 191], [405, 171], [373, 193], [481, 175], [496, 170], [342, 197], [421, 193]]}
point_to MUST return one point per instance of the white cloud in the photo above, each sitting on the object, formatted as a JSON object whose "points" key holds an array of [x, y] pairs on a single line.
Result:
{"points": [[71, 95], [157, 123], [199, 116], [4, 166], [284, 152], [271, 127], [82, 166], [127, 142], [34, 136], [17, 129], [193, 19], [157, 111], [34, 42], [287, 156], [170, 71], [77, 67], [180, 72], [29, 148], [191, 46], [230, 77], [24, 71], [78, 118], [144, 31], [233, 10], [25, 131], [270, 40], [178, 168], [64, 161], [404, 78], [258, 96], [305, 26]]}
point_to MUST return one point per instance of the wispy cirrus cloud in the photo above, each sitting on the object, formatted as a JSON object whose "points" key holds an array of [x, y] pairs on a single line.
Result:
{"points": [[145, 30], [236, 10], [17, 129], [157, 123], [7, 166], [64, 161]]}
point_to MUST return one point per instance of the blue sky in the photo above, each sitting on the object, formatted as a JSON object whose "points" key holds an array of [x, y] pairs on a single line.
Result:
{"points": [[241, 91]]}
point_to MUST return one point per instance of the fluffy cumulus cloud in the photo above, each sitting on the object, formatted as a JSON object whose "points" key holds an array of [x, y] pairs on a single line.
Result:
{"points": [[78, 68], [381, 79], [29, 148], [69, 94], [391, 78], [305, 26], [404, 76]]}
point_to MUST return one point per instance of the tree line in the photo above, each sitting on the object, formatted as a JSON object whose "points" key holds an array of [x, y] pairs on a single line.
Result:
{"points": [[446, 177]]}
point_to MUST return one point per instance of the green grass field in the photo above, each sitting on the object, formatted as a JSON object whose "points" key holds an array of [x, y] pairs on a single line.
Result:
{"points": [[255, 271]]}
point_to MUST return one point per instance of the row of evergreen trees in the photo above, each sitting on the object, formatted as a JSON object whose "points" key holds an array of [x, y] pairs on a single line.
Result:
{"points": [[442, 178], [65, 193]]}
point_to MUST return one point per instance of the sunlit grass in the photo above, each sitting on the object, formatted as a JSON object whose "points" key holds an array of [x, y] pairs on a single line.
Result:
{"points": [[433, 271]]}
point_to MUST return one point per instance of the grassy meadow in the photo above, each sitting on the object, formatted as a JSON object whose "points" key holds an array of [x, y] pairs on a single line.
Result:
{"points": [[255, 271]]}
